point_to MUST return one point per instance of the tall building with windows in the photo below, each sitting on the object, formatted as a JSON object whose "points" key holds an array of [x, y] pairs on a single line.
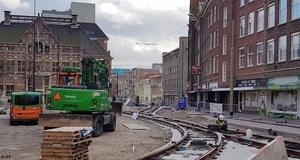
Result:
{"points": [[255, 45], [51, 41]]}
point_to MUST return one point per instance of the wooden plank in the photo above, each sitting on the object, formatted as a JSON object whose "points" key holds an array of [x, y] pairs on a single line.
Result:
{"points": [[63, 140], [74, 145], [70, 153]]}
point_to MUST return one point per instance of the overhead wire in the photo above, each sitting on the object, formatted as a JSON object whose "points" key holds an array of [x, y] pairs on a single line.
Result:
{"points": [[152, 43]]}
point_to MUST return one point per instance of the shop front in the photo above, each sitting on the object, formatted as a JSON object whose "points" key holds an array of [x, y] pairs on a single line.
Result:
{"points": [[251, 94], [283, 97]]}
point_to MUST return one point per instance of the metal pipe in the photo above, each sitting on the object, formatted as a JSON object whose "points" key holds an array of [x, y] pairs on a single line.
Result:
{"points": [[34, 48], [232, 59]]}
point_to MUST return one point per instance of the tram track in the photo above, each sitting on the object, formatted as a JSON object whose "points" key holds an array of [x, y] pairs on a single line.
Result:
{"points": [[238, 136]]}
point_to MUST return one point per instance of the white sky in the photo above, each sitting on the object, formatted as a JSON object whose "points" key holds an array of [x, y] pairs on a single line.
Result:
{"points": [[125, 22]]}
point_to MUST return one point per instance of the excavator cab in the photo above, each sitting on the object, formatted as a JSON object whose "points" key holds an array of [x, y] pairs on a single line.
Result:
{"points": [[68, 76]]}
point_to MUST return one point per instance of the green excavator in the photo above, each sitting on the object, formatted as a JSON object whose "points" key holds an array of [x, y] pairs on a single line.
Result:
{"points": [[81, 99]]}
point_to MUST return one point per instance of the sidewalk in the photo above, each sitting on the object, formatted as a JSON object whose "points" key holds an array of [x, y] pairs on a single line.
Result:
{"points": [[291, 128]]}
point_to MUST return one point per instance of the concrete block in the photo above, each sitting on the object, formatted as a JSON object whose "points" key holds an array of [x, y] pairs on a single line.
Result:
{"points": [[274, 150]]}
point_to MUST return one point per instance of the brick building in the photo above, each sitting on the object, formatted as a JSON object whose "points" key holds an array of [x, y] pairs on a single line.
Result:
{"points": [[263, 37], [55, 40]]}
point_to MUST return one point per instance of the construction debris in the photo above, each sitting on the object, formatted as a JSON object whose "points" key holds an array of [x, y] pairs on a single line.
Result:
{"points": [[65, 143]]}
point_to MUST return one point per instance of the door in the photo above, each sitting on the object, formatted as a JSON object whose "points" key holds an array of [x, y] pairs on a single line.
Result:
{"points": [[241, 100]]}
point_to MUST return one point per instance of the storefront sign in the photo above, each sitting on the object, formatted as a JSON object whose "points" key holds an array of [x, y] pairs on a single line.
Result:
{"points": [[248, 82], [290, 82], [196, 69]]}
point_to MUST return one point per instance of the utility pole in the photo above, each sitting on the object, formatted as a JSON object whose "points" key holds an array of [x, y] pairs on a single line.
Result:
{"points": [[232, 59], [34, 48]]}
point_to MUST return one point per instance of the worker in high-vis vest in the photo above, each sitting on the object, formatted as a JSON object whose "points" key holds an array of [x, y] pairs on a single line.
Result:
{"points": [[222, 123]]}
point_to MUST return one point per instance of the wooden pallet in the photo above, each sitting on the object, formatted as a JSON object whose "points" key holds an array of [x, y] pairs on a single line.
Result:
{"points": [[66, 140], [65, 143]]}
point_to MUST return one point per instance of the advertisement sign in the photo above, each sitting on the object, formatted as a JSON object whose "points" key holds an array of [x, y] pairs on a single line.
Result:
{"points": [[216, 108]]}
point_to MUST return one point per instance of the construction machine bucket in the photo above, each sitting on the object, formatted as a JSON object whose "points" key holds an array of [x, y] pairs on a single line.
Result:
{"points": [[65, 120], [117, 106]]}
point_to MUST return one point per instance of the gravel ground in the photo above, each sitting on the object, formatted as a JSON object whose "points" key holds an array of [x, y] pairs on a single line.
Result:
{"points": [[23, 142]]}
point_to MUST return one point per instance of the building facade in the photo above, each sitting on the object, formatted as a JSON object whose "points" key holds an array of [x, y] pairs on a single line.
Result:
{"points": [[135, 74], [52, 43], [175, 73], [253, 45]]}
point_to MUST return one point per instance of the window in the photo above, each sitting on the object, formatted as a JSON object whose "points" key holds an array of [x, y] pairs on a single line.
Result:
{"points": [[225, 17], [214, 39], [251, 1], [54, 66], [242, 26], [250, 55], [260, 48], [295, 46], [242, 3], [217, 63], [210, 66], [21, 65], [27, 100], [217, 40], [282, 48], [241, 57], [76, 64], [210, 41], [215, 14], [214, 64], [224, 44], [270, 52], [295, 9], [260, 20], [1, 67], [251, 23], [282, 11], [271, 16], [211, 17], [224, 72], [9, 89], [10, 65], [1, 90], [65, 63]]}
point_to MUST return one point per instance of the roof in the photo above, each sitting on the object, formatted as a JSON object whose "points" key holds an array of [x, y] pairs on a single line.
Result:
{"points": [[67, 36], [92, 30], [12, 33]]}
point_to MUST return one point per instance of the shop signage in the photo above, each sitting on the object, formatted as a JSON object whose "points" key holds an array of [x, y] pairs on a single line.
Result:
{"points": [[284, 82], [248, 82], [196, 69]]}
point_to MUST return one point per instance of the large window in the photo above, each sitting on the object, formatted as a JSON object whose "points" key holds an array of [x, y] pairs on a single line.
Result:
{"points": [[250, 55], [251, 23], [210, 66], [242, 57], [21, 65], [10, 65], [271, 16], [225, 17], [282, 11], [295, 46], [224, 44], [224, 72], [214, 65], [9, 89], [281, 100], [260, 20], [282, 48], [260, 58], [295, 9], [217, 63], [270, 54], [242, 26], [214, 39], [242, 2]]}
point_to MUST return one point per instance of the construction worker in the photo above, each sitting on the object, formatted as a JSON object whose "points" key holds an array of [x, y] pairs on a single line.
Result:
{"points": [[222, 123]]}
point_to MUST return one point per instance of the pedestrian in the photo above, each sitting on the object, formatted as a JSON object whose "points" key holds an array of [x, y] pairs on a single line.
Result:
{"points": [[222, 123]]}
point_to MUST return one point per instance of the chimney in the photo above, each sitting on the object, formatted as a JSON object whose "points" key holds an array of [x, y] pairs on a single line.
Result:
{"points": [[74, 19], [6, 17]]}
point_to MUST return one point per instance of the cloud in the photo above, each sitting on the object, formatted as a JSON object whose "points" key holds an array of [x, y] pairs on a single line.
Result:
{"points": [[14, 4]]}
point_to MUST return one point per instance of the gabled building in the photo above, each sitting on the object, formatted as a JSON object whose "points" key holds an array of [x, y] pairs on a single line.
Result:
{"points": [[56, 40]]}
